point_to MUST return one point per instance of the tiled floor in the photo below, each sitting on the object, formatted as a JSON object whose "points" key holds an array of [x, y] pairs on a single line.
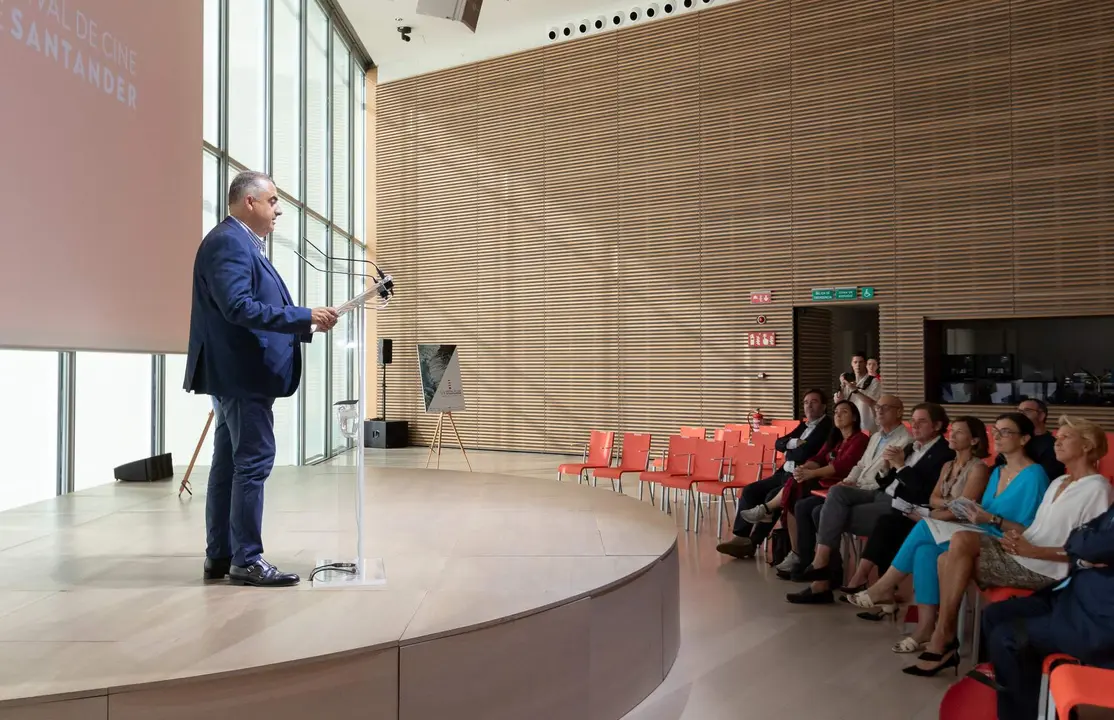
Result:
{"points": [[745, 652]]}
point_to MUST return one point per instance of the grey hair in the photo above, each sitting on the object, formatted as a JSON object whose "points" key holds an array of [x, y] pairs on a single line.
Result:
{"points": [[247, 183]]}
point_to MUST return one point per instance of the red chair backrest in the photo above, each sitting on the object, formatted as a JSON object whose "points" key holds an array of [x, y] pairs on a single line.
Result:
{"points": [[681, 454], [708, 461], [1106, 463], [742, 429], [694, 432], [789, 425], [765, 439], [636, 450], [746, 462], [775, 430], [600, 445], [969, 699], [728, 437]]}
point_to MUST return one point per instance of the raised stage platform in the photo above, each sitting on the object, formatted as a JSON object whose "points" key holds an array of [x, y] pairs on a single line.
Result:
{"points": [[506, 598]]}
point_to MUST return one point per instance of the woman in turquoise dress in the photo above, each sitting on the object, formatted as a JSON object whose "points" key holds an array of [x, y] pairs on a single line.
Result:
{"points": [[1013, 493]]}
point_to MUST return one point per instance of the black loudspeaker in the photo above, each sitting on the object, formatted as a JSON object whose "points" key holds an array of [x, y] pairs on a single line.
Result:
{"points": [[386, 434], [386, 351], [159, 467]]}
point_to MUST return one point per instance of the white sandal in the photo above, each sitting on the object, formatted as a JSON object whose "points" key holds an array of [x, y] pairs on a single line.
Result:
{"points": [[908, 645], [861, 600]]}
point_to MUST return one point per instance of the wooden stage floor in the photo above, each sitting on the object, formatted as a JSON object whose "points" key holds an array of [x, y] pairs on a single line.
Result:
{"points": [[506, 597]]}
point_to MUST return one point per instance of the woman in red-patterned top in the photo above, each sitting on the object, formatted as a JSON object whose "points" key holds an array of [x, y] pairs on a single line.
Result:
{"points": [[831, 465]]}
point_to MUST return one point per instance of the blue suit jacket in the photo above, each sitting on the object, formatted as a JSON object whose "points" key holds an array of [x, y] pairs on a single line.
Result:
{"points": [[1083, 614], [245, 329]]}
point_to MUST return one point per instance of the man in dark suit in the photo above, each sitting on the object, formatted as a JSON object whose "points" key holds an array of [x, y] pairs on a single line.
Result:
{"points": [[244, 351], [1074, 617], [797, 447], [912, 475]]}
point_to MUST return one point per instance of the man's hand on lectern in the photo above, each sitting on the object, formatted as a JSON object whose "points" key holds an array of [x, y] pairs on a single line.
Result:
{"points": [[324, 318]]}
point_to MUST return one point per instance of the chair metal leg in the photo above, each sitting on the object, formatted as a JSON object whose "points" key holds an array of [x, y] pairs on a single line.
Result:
{"points": [[687, 496]]}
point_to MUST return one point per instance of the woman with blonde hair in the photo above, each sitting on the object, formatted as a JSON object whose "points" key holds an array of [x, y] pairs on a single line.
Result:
{"points": [[1029, 558]]}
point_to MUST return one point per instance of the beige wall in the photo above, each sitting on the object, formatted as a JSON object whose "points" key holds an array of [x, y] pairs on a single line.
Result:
{"points": [[586, 221]]}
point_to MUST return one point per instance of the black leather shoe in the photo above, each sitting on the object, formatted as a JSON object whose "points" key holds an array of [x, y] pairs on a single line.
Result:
{"points": [[261, 574], [808, 597], [216, 569]]}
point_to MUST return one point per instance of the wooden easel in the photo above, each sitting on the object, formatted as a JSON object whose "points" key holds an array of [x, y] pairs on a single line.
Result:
{"points": [[436, 443], [185, 484]]}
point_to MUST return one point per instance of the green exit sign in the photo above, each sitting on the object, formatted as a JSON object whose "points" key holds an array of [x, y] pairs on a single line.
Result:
{"points": [[842, 293]]}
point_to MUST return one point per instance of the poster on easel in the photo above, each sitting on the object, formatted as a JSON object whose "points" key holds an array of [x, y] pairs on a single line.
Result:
{"points": [[439, 366]]}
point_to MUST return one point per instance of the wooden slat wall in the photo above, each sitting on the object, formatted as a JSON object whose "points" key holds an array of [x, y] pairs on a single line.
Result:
{"points": [[510, 352], [745, 189], [588, 219]]}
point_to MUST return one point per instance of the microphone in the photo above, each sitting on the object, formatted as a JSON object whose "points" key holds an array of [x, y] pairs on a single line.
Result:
{"points": [[382, 286]]}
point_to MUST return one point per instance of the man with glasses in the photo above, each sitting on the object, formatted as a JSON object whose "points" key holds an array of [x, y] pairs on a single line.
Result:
{"points": [[1041, 448], [860, 489]]}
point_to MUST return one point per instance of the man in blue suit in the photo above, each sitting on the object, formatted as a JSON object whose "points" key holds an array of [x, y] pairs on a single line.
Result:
{"points": [[244, 351], [1075, 617]]}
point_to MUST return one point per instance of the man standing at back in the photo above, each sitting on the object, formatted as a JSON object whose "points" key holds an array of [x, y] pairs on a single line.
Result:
{"points": [[244, 351]]}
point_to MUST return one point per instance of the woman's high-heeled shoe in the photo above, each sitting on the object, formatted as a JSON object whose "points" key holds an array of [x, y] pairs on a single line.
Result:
{"points": [[951, 662], [952, 646], [852, 590], [882, 612]]}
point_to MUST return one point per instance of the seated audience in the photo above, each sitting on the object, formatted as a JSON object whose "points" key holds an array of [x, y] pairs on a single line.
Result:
{"points": [[1013, 493], [1028, 558], [797, 447], [1075, 617], [1041, 446], [861, 388], [912, 475], [965, 476], [861, 484], [844, 448]]}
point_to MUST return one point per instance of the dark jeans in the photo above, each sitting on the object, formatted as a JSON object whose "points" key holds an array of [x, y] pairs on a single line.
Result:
{"points": [[886, 538], [243, 455], [1019, 634], [807, 514], [753, 495]]}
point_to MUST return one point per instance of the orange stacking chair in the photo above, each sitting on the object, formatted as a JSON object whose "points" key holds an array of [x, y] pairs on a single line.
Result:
{"points": [[787, 426], [767, 441], [636, 458], [728, 437], [1067, 686], [686, 431], [1106, 464], [707, 466], [678, 461], [597, 455], [743, 464]]}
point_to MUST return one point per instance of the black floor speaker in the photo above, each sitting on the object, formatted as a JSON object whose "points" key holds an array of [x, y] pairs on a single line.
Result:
{"points": [[386, 433], [159, 467]]}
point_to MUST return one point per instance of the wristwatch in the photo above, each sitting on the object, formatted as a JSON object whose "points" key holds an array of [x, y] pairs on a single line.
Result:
{"points": [[996, 521]]}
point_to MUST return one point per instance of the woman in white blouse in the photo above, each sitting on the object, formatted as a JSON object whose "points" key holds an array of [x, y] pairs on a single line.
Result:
{"points": [[1031, 558]]}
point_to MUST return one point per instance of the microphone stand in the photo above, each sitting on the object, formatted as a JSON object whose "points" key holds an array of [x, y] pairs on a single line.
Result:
{"points": [[351, 415]]}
